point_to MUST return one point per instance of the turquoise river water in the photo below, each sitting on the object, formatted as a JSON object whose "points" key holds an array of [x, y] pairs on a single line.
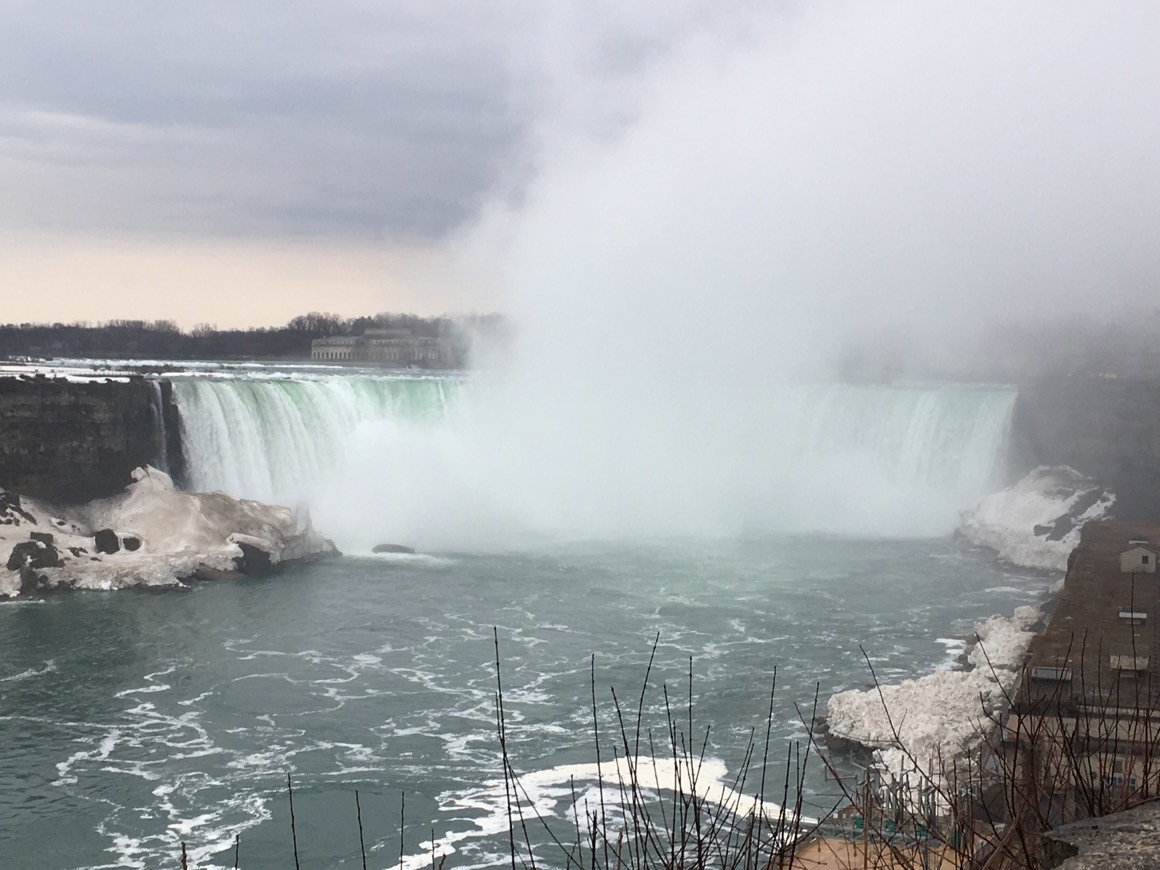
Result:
{"points": [[131, 721]]}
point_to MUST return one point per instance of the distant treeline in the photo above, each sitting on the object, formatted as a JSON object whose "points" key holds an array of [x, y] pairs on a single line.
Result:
{"points": [[162, 339]]}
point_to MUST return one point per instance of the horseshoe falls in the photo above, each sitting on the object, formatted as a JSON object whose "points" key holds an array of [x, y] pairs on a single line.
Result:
{"points": [[450, 463], [577, 520]]}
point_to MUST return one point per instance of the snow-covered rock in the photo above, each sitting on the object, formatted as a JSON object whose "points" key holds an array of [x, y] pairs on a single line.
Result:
{"points": [[166, 536], [1036, 522], [930, 722]]}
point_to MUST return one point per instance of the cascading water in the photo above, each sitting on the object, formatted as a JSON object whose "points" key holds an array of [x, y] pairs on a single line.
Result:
{"points": [[279, 439], [442, 463]]}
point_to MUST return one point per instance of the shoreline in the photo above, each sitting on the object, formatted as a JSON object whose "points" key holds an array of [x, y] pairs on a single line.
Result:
{"points": [[152, 535], [947, 714]]}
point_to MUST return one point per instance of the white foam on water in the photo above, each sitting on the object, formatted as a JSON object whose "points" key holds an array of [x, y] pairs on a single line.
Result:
{"points": [[107, 743], [955, 647], [549, 793], [410, 559], [191, 701], [49, 667], [186, 826], [143, 690]]}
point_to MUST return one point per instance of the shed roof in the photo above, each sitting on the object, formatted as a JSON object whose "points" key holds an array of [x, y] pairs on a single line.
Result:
{"points": [[1138, 549]]}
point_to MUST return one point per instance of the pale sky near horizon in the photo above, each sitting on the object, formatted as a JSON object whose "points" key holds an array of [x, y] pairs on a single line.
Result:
{"points": [[239, 163]]}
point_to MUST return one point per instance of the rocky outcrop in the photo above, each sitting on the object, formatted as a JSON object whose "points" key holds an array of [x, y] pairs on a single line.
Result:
{"points": [[1129, 840], [151, 534], [68, 441]]}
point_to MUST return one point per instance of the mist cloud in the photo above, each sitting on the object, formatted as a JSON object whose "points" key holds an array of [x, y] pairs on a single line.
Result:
{"points": [[684, 268], [837, 170]]}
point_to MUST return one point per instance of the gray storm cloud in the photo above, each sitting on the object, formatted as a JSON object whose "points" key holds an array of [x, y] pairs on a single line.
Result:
{"points": [[292, 119], [260, 119]]}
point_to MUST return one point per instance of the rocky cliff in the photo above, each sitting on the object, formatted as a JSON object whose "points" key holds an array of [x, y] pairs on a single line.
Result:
{"points": [[1106, 428], [69, 441]]}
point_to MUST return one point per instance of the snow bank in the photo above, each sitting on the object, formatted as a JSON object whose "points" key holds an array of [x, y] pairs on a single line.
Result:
{"points": [[930, 722], [1036, 522], [161, 536]]}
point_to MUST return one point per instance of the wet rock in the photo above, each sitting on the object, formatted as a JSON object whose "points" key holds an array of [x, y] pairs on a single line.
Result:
{"points": [[33, 584], [29, 582], [391, 548], [21, 554], [210, 574], [106, 541], [11, 510], [43, 537], [33, 554], [47, 557], [254, 561], [131, 543]]}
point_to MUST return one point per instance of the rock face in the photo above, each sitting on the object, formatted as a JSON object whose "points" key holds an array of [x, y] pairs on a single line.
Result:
{"points": [[1129, 840], [106, 541], [152, 534], [69, 442], [1107, 428]]}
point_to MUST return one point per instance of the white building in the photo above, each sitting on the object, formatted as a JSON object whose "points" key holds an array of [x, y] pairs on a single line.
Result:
{"points": [[334, 348], [1138, 559], [395, 347]]}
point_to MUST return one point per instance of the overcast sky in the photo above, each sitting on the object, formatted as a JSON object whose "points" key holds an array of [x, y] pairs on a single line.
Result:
{"points": [[242, 162]]}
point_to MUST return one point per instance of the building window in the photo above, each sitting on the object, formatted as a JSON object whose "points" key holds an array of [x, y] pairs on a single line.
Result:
{"points": [[1143, 560], [1060, 675]]}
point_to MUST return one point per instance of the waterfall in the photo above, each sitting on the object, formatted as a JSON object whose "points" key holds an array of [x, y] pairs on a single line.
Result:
{"points": [[279, 439], [946, 437], [157, 409], [440, 461]]}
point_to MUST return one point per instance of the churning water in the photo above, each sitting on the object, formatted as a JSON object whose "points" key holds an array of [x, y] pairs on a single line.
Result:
{"points": [[133, 721]]}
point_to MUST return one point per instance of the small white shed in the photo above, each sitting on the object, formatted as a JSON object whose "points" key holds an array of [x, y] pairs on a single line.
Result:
{"points": [[1138, 559]]}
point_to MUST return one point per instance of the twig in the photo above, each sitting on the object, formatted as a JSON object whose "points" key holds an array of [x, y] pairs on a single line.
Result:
{"points": [[293, 825]]}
